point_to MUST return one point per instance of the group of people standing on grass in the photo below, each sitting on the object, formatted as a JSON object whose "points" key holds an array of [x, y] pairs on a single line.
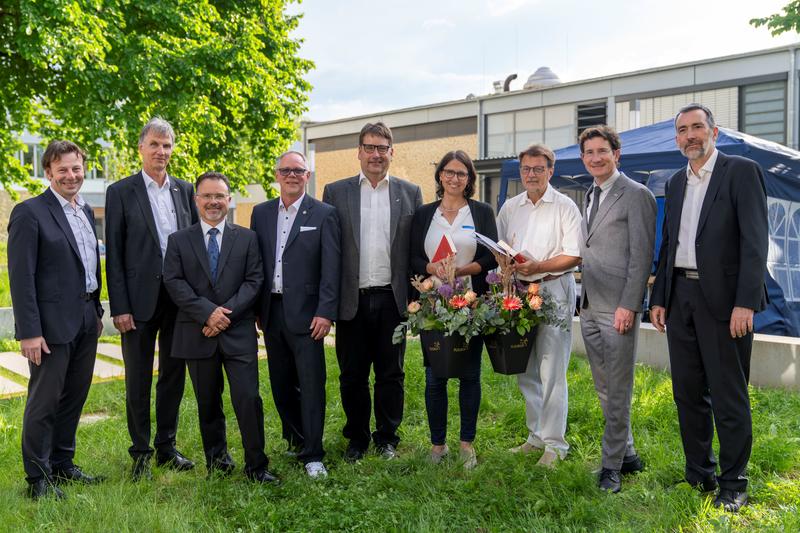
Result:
{"points": [[181, 274]]}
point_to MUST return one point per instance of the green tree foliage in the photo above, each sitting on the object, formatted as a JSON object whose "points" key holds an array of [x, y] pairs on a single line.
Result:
{"points": [[225, 73], [788, 20]]}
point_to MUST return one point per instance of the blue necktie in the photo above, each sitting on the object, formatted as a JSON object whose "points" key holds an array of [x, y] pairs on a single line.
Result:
{"points": [[213, 253]]}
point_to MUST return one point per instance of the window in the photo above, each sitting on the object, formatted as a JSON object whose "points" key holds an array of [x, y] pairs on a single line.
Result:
{"points": [[529, 128], [763, 112], [29, 159], [559, 126], [500, 135], [589, 115]]}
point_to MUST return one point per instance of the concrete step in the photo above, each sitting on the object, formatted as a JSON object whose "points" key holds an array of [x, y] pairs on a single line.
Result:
{"points": [[14, 362], [110, 350], [10, 387]]}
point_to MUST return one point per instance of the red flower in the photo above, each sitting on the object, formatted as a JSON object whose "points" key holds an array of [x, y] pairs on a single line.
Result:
{"points": [[512, 303], [458, 301]]}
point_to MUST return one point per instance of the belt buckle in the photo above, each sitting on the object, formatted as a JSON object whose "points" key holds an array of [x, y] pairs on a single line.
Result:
{"points": [[691, 274]]}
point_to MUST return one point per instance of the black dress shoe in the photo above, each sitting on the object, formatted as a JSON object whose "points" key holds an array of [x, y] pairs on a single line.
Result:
{"points": [[354, 453], [221, 466], [141, 468], [263, 476], [74, 474], [174, 461], [730, 500], [609, 480], [43, 488], [387, 451], [704, 486], [631, 464]]}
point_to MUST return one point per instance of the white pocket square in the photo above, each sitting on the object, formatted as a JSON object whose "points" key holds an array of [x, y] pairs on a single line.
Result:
{"points": [[307, 228]]}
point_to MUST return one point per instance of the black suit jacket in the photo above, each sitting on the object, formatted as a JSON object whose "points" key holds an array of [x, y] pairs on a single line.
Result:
{"points": [[311, 262], [732, 238], [187, 277], [45, 271], [482, 216], [133, 252]]}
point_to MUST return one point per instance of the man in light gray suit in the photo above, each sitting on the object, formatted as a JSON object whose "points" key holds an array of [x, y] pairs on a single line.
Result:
{"points": [[617, 236], [375, 212]]}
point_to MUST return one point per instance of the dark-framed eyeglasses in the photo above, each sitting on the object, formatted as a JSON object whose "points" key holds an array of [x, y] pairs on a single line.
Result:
{"points": [[536, 171], [214, 197], [382, 149], [450, 174], [296, 171]]}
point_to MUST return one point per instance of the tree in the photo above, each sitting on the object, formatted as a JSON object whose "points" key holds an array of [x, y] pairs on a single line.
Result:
{"points": [[779, 23], [225, 73]]}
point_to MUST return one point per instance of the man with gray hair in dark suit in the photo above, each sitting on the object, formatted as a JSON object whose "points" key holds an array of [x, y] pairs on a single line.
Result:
{"points": [[375, 212]]}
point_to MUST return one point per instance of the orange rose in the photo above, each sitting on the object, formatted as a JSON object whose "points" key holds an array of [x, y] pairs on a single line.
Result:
{"points": [[533, 289], [427, 285], [413, 307], [470, 296], [535, 302]]}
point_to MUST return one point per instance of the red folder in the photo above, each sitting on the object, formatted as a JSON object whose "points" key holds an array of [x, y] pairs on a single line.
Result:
{"points": [[446, 247], [519, 257]]}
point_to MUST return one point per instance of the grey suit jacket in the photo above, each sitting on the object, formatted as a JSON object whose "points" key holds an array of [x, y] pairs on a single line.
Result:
{"points": [[345, 196], [618, 251]]}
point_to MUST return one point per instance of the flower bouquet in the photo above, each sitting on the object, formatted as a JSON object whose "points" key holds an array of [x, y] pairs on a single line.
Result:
{"points": [[511, 311], [446, 318]]}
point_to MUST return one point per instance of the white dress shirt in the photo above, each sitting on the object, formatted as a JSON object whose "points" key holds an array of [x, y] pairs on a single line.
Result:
{"points": [[286, 216], [461, 231], [163, 209], [84, 237], [604, 188], [544, 230], [205, 227], [696, 187], [374, 267]]}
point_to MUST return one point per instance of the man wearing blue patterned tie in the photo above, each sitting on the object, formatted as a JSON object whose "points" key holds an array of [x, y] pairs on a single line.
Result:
{"points": [[213, 273]]}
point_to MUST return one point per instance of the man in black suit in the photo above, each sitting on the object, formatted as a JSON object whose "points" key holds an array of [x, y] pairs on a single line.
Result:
{"points": [[54, 273], [142, 210], [299, 240], [213, 274], [709, 282]]}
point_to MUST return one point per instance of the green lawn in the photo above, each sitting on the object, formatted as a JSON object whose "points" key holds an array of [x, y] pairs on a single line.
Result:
{"points": [[505, 493]]}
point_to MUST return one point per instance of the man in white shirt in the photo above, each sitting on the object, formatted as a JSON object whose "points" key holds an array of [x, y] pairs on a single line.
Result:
{"points": [[709, 283], [375, 212], [545, 225]]}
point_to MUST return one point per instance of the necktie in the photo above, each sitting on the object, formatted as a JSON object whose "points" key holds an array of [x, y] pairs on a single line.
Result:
{"points": [[595, 205], [213, 253]]}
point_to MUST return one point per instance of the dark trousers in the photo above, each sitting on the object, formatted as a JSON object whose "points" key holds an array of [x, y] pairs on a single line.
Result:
{"points": [[297, 375], [710, 371], [138, 348], [469, 398], [361, 343], [57, 391], [242, 372]]}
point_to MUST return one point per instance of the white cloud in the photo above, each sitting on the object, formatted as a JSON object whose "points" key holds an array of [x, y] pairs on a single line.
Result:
{"points": [[431, 24], [498, 8]]}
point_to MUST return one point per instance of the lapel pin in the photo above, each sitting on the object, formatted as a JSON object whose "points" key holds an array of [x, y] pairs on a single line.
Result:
{"points": [[304, 212]]}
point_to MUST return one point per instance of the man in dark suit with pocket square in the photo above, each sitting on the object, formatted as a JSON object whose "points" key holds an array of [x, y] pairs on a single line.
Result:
{"points": [[213, 274], [299, 240], [709, 283]]}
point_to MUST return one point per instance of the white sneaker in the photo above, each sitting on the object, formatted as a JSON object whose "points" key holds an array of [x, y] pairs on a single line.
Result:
{"points": [[316, 469]]}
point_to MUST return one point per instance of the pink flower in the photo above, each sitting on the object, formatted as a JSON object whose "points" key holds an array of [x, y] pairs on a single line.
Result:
{"points": [[413, 307], [470, 296], [427, 285], [535, 302], [458, 301], [533, 289], [512, 303]]}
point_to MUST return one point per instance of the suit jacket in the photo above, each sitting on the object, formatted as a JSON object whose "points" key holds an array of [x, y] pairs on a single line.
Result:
{"points": [[187, 277], [45, 271], [732, 238], [311, 262], [617, 252], [404, 199], [482, 216], [133, 251]]}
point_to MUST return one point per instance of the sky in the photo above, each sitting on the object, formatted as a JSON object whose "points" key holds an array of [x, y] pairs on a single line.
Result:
{"points": [[378, 56]]}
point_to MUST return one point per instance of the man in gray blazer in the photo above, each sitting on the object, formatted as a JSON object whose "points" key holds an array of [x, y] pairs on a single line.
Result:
{"points": [[617, 236], [375, 212]]}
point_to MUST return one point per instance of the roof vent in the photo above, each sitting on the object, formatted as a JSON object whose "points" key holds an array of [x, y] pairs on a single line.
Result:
{"points": [[543, 77]]}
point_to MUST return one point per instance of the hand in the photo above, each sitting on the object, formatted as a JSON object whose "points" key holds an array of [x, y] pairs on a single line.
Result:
{"points": [[124, 323], [32, 349], [218, 320], [210, 332], [99, 326], [741, 321], [528, 268], [436, 269], [623, 320], [319, 327], [658, 316]]}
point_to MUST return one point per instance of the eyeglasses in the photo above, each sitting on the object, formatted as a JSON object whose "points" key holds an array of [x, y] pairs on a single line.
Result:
{"points": [[296, 171], [599, 151], [450, 174], [536, 171], [210, 197], [382, 149]]}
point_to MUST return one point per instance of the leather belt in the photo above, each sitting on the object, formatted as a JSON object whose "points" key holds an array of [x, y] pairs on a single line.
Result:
{"points": [[276, 295], [549, 277], [87, 296], [687, 273], [375, 290]]}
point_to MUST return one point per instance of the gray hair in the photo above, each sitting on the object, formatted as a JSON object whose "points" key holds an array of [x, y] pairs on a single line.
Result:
{"points": [[159, 126], [284, 154], [695, 107]]}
